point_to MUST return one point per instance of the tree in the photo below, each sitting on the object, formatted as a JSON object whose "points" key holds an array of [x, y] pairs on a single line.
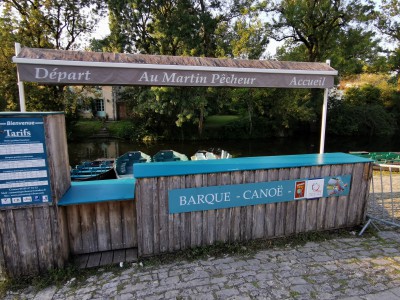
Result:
{"points": [[43, 24], [8, 74], [314, 24], [388, 22], [174, 27]]}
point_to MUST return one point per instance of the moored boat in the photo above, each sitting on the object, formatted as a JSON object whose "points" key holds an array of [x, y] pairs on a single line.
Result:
{"points": [[384, 161], [123, 165], [169, 155], [210, 154], [379, 157], [99, 169]]}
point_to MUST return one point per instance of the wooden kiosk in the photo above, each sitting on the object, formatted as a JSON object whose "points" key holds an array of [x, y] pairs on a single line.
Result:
{"points": [[34, 175], [176, 205]]}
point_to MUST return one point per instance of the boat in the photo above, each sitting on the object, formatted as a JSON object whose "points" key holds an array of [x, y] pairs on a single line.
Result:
{"points": [[169, 155], [383, 161], [210, 154], [123, 165], [379, 157], [99, 169]]}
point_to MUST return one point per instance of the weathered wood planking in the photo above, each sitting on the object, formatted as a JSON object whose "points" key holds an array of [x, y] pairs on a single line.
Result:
{"points": [[291, 207], [270, 209], [101, 226], [41, 215], [280, 216], [35, 238], [302, 204], [174, 232], [312, 204], [57, 155], [30, 240], [247, 224], [343, 202], [235, 212], [223, 215], [210, 236], [258, 220], [322, 202]]}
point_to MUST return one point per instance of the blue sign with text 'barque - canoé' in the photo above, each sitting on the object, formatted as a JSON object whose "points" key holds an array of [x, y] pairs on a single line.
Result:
{"points": [[226, 196]]}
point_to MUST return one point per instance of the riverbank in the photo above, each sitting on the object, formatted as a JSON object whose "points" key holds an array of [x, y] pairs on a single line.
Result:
{"points": [[344, 267]]}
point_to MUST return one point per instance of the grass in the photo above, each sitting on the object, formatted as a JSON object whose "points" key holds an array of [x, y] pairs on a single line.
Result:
{"points": [[250, 247], [120, 129], [86, 128], [124, 129]]}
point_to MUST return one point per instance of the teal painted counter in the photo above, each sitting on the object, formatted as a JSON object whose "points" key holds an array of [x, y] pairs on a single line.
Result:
{"points": [[243, 163], [85, 192], [124, 189]]}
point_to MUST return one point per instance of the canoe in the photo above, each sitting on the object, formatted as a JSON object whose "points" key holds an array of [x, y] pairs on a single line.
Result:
{"points": [[379, 157], [123, 165], [99, 169], [169, 155], [206, 155]]}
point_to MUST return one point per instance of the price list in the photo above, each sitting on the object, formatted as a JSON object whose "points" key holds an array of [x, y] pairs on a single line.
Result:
{"points": [[24, 176]]}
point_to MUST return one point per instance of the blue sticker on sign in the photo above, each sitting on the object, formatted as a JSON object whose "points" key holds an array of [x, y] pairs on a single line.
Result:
{"points": [[226, 196]]}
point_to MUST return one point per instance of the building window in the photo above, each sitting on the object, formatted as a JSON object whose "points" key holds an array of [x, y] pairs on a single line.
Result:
{"points": [[99, 105]]}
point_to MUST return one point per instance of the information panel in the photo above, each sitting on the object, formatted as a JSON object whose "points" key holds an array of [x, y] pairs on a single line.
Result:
{"points": [[24, 176], [225, 196]]}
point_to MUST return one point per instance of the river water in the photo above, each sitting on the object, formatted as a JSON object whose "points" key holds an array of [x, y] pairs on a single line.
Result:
{"points": [[91, 149]]}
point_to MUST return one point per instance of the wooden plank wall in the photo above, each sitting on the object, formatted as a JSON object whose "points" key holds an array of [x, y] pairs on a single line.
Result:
{"points": [[101, 226], [57, 155], [34, 238], [30, 240], [160, 232]]}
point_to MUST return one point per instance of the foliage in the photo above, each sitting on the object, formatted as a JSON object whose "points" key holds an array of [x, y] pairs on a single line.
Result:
{"points": [[84, 128], [41, 24], [314, 31], [121, 129], [220, 120], [360, 112], [314, 24]]}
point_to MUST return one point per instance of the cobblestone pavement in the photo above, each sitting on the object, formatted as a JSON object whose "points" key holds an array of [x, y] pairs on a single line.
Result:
{"points": [[351, 268]]}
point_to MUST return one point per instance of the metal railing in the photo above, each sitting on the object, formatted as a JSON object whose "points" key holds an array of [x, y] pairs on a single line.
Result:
{"points": [[384, 197]]}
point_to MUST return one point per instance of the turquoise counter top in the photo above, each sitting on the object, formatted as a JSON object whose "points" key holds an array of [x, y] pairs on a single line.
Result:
{"points": [[124, 189], [85, 192], [244, 163]]}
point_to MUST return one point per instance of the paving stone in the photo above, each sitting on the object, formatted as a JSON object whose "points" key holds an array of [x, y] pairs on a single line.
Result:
{"points": [[226, 293], [351, 268], [387, 295]]}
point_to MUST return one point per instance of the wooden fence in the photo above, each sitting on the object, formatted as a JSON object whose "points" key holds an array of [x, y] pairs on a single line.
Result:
{"points": [[35, 238], [101, 226], [160, 232]]}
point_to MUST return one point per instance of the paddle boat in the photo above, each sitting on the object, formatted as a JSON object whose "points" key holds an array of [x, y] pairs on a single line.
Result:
{"points": [[169, 155], [210, 154], [98, 169], [123, 165]]}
